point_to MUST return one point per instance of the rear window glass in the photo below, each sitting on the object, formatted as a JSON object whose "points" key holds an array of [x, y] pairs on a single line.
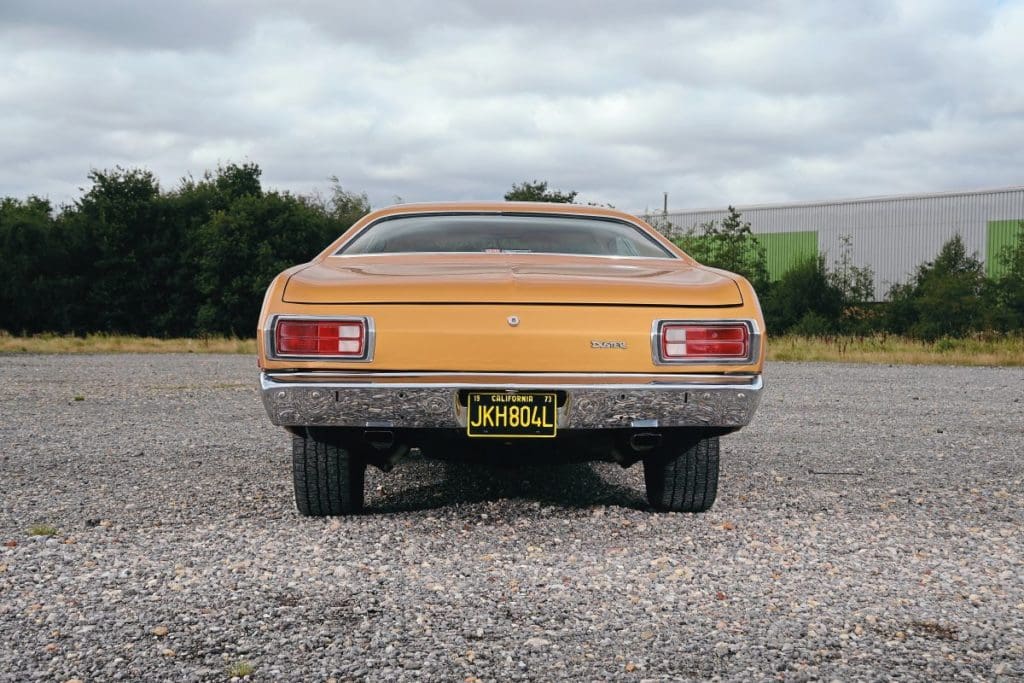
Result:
{"points": [[504, 234]]}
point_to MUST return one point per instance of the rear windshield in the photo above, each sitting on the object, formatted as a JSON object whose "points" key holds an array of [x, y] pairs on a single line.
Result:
{"points": [[504, 234]]}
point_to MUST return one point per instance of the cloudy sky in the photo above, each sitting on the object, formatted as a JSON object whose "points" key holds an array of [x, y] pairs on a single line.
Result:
{"points": [[713, 101]]}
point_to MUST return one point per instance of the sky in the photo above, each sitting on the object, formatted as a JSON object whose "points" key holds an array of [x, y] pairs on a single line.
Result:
{"points": [[714, 101]]}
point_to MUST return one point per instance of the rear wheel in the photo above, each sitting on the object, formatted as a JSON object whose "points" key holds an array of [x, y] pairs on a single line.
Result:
{"points": [[683, 482], [328, 478]]}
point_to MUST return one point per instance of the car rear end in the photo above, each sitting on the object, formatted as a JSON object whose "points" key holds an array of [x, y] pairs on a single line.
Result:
{"points": [[621, 358]]}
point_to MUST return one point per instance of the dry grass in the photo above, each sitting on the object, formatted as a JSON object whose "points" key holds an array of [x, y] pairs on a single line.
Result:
{"points": [[113, 343], [886, 349]]}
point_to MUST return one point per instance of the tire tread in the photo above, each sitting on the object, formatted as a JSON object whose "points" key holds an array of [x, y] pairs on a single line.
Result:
{"points": [[684, 482], [327, 478]]}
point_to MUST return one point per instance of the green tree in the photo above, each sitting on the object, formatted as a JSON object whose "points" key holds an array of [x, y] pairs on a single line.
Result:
{"points": [[237, 180], [129, 258], [943, 299], [31, 262], [342, 206], [242, 248], [537, 191], [857, 286], [186, 210], [805, 300], [123, 255], [730, 245]]}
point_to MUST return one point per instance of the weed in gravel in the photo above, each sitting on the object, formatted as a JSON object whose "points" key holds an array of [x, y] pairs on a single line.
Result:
{"points": [[241, 669], [42, 530], [933, 629]]}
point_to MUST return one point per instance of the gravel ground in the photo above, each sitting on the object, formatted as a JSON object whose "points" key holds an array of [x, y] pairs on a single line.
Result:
{"points": [[868, 526]]}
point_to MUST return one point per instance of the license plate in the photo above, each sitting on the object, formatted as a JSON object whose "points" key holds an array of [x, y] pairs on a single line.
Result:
{"points": [[508, 415]]}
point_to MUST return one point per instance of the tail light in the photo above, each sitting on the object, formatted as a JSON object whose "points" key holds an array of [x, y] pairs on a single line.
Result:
{"points": [[703, 342], [336, 338]]}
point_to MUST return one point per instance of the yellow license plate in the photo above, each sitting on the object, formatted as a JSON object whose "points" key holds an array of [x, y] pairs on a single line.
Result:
{"points": [[512, 415]]}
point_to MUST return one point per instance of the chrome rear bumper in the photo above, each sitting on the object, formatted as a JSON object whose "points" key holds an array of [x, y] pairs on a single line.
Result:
{"points": [[431, 400]]}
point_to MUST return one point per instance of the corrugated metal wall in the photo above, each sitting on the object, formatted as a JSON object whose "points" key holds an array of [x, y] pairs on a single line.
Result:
{"points": [[893, 235]]}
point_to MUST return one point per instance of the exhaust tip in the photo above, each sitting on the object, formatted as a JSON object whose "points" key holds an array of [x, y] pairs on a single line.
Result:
{"points": [[381, 440], [644, 441]]}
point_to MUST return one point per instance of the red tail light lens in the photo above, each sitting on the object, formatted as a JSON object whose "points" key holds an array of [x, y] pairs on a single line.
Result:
{"points": [[343, 338], [684, 341]]}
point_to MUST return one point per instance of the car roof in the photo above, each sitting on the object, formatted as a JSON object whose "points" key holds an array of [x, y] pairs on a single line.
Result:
{"points": [[503, 207]]}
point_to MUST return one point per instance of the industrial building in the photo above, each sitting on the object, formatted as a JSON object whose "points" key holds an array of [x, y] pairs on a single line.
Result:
{"points": [[893, 235]]}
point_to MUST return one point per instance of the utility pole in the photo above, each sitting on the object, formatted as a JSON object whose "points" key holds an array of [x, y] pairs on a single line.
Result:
{"points": [[664, 208]]}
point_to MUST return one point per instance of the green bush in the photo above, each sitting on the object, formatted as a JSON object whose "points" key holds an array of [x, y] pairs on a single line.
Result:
{"points": [[805, 296], [944, 299], [813, 325]]}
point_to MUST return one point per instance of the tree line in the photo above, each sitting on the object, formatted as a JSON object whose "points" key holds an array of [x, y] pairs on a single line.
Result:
{"points": [[131, 258]]}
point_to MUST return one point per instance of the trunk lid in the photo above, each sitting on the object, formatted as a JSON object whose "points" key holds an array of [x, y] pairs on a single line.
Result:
{"points": [[510, 278]]}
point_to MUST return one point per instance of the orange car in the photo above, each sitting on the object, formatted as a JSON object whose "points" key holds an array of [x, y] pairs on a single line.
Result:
{"points": [[478, 329]]}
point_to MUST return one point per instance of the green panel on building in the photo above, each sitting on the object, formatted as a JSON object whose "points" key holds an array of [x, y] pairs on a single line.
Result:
{"points": [[1001, 234], [784, 249]]}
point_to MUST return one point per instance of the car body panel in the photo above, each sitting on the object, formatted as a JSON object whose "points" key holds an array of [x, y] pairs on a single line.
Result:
{"points": [[479, 338], [509, 278]]}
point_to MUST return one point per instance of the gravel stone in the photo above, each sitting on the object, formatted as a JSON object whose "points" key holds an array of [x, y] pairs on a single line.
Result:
{"points": [[868, 526]]}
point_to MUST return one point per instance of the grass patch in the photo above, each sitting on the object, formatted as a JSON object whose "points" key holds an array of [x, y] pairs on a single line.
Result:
{"points": [[241, 669], [986, 350], [117, 343], [42, 530]]}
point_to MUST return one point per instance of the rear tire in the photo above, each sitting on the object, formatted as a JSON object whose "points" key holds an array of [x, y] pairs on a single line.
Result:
{"points": [[687, 482], [328, 478]]}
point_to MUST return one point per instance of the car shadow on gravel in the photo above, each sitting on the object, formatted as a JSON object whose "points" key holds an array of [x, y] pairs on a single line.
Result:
{"points": [[436, 484]]}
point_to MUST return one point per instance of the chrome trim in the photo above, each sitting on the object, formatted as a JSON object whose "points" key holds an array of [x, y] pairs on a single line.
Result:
{"points": [[524, 379], [752, 326], [269, 337], [430, 400]]}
